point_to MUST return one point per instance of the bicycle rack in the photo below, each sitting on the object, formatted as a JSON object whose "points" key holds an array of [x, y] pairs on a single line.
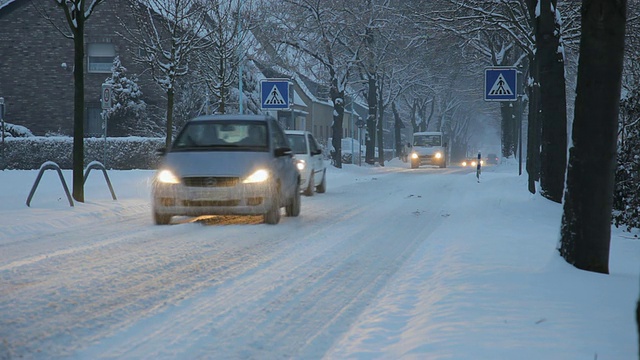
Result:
{"points": [[98, 165], [49, 165]]}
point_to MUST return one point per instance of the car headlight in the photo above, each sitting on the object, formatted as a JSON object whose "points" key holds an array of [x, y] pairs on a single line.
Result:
{"points": [[167, 177], [438, 155], [301, 164], [414, 155], [464, 163], [473, 163], [258, 176]]}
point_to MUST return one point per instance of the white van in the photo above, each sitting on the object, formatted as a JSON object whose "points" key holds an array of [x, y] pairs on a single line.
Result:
{"points": [[428, 148]]}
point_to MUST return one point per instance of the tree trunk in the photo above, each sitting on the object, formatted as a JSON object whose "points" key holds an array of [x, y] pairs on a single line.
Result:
{"points": [[338, 112], [414, 110], [533, 129], [223, 90], [509, 128], [170, 101], [380, 123], [585, 232], [78, 109], [638, 323], [553, 149], [372, 101], [397, 130]]}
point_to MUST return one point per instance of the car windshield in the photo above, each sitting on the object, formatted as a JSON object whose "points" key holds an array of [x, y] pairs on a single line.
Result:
{"points": [[297, 143], [427, 140], [222, 135]]}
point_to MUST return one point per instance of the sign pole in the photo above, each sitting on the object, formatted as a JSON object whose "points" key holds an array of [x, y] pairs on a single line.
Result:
{"points": [[107, 100]]}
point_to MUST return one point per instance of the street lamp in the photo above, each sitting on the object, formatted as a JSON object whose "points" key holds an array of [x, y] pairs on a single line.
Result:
{"points": [[240, 55]]}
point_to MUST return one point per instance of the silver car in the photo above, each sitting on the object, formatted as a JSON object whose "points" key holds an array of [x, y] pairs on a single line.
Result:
{"points": [[309, 161], [227, 164]]}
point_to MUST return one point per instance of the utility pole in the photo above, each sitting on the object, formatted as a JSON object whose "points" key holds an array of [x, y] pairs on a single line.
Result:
{"points": [[240, 56]]}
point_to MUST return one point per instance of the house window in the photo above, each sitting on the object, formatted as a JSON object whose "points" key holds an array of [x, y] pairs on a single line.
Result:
{"points": [[93, 124], [100, 57]]}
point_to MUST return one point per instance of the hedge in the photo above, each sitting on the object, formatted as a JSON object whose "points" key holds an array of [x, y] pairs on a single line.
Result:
{"points": [[122, 153]]}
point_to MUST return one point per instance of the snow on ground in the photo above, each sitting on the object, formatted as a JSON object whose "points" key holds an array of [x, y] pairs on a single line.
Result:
{"points": [[390, 263]]}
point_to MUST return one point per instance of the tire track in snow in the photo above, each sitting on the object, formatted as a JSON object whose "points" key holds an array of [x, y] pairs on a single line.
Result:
{"points": [[298, 304]]}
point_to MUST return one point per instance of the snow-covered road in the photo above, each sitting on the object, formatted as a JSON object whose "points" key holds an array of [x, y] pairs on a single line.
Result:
{"points": [[390, 263], [122, 287]]}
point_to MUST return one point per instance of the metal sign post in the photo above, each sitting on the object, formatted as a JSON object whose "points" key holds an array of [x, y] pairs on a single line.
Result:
{"points": [[501, 84], [360, 124], [106, 101]]}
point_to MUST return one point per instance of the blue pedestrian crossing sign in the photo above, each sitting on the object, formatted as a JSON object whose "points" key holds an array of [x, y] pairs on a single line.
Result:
{"points": [[500, 84], [275, 94]]}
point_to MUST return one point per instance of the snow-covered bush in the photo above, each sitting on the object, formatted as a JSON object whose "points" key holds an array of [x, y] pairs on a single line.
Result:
{"points": [[11, 130]]}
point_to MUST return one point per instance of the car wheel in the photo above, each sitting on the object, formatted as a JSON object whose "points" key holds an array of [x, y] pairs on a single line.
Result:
{"points": [[293, 209], [272, 216], [310, 188], [322, 188], [161, 219]]}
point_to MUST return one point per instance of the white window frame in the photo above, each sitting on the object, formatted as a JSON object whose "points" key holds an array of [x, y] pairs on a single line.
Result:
{"points": [[100, 57]]}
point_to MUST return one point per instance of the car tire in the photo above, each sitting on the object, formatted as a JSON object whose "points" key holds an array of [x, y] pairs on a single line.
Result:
{"points": [[272, 216], [311, 187], [293, 209], [161, 219], [322, 188]]}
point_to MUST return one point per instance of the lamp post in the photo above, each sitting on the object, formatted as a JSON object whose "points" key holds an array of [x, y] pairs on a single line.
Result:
{"points": [[240, 56]]}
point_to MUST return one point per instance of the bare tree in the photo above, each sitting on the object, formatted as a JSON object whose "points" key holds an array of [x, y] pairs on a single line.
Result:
{"points": [[167, 35], [534, 27], [76, 13], [315, 29], [219, 66], [586, 220]]}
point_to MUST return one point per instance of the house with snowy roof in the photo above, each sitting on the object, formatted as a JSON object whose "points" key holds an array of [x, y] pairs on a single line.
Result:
{"points": [[36, 66]]}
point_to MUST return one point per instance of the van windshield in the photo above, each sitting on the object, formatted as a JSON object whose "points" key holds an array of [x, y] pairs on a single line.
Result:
{"points": [[427, 140], [297, 143]]}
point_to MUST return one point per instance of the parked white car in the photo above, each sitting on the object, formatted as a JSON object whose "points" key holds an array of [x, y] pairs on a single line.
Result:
{"points": [[309, 161], [227, 164]]}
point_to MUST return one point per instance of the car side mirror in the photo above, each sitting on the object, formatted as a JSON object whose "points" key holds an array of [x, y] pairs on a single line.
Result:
{"points": [[316, 152], [445, 144], [283, 151], [161, 151]]}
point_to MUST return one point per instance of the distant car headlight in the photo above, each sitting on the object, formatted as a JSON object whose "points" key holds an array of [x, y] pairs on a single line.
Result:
{"points": [[473, 163], [167, 177], [301, 164], [464, 163], [258, 176], [414, 155], [438, 155]]}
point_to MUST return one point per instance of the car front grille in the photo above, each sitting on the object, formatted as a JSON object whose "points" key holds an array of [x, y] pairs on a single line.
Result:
{"points": [[207, 203], [210, 181]]}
